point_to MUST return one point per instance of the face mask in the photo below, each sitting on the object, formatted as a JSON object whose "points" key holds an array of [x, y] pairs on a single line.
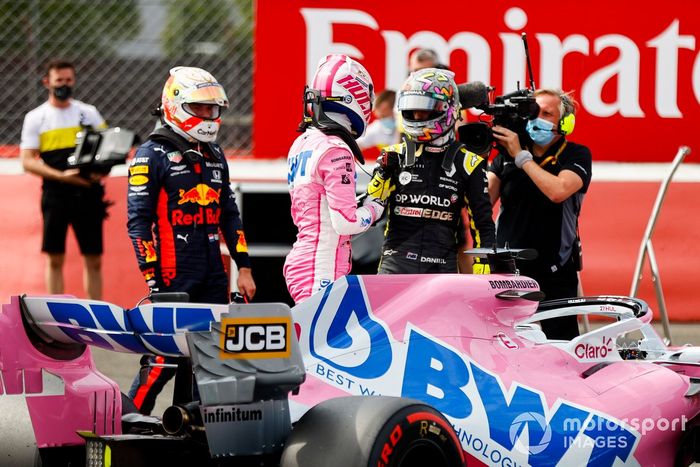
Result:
{"points": [[389, 124], [63, 93], [540, 131]]}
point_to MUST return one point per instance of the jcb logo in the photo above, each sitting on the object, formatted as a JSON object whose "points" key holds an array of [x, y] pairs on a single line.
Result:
{"points": [[256, 337]]}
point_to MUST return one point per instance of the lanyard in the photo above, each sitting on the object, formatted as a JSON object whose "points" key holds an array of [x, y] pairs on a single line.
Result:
{"points": [[553, 158]]}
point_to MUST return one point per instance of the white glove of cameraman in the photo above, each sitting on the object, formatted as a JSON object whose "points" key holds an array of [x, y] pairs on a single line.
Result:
{"points": [[374, 205]]}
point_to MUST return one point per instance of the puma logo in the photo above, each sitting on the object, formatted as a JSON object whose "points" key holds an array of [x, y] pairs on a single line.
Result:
{"points": [[182, 237]]}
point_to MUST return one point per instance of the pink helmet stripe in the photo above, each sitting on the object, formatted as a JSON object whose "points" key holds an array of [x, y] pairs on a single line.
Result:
{"points": [[324, 80]]}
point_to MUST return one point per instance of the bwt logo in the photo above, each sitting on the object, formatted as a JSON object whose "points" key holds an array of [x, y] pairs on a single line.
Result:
{"points": [[296, 165], [141, 330], [517, 417], [256, 337]]}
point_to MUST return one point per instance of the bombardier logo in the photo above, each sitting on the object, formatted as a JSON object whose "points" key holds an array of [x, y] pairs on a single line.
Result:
{"points": [[514, 284], [255, 338]]}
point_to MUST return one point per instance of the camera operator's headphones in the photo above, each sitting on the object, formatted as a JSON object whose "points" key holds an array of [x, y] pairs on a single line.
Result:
{"points": [[568, 121]]}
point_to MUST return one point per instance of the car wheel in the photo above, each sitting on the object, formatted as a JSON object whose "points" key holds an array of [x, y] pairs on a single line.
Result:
{"points": [[370, 431], [62, 456]]}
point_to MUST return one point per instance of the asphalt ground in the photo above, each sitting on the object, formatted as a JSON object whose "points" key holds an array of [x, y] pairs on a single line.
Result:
{"points": [[122, 368]]}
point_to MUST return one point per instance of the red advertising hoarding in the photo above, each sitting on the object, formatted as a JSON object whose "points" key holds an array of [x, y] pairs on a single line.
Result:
{"points": [[635, 70]]}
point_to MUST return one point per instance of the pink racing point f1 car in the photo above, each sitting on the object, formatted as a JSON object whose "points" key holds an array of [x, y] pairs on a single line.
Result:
{"points": [[395, 370]]}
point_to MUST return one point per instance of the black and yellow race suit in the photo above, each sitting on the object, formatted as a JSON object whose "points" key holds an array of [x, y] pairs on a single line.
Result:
{"points": [[424, 210]]}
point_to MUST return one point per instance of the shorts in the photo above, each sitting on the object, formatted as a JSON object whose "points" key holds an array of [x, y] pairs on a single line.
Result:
{"points": [[84, 210]]}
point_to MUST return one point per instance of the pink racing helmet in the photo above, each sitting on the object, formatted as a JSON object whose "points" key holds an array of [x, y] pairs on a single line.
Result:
{"points": [[345, 87]]}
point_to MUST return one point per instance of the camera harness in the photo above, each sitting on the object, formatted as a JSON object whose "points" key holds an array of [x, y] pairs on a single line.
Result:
{"points": [[447, 161]]}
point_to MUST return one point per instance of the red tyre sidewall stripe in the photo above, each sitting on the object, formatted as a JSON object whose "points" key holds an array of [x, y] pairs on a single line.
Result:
{"points": [[414, 417]]}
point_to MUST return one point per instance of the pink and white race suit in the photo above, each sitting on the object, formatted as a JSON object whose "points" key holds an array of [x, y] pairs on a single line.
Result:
{"points": [[321, 181]]}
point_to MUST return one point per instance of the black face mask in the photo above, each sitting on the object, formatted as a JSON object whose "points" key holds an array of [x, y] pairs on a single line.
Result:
{"points": [[63, 93]]}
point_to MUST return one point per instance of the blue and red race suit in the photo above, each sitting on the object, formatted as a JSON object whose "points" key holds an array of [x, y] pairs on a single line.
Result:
{"points": [[178, 204]]}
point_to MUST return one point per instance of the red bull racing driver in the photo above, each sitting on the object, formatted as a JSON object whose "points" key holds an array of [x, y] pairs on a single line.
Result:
{"points": [[179, 202]]}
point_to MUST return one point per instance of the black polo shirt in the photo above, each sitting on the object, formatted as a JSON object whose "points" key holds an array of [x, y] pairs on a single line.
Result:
{"points": [[528, 219]]}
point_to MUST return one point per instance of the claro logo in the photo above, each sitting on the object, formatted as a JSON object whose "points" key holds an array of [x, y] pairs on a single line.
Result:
{"points": [[588, 351]]}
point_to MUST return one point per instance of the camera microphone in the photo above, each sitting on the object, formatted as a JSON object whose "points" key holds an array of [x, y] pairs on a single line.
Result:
{"points": [[473, 94]]}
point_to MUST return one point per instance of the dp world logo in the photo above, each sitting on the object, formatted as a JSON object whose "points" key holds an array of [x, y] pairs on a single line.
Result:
{"points": [[538, 422]]}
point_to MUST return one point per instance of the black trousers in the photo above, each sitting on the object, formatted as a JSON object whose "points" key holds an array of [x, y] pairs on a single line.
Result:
{"points": [[560, 284]]}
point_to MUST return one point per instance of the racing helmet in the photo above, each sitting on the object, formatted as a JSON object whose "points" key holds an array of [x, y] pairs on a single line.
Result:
{"points": [[190, 85], [345, 87], [432, 90]]}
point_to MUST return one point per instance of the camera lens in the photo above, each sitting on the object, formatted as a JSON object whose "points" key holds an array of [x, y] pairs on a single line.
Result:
{"points": [[476, 137]]}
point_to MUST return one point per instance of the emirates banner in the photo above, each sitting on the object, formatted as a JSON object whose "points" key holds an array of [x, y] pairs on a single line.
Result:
{"points": [[634, 68]]}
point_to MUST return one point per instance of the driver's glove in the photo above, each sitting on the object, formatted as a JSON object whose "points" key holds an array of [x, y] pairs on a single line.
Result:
{"points": [[481, 266]]}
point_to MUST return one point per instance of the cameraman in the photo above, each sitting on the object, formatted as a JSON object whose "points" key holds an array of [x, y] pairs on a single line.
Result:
{"points": [[426, 195], [67, 198], [541, 189]]}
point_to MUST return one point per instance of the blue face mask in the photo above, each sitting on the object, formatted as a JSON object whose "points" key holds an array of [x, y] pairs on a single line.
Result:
{"points": [[388, 123], [540, 131]]}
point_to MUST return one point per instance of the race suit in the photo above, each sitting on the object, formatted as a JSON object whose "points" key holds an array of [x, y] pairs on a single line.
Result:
{"points": [[176, 208], [424, 210], [321, 181]]}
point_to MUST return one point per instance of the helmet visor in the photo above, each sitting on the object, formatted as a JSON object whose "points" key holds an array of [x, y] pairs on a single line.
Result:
{"points": [[422, 101], [203, 110], [208, 93]]}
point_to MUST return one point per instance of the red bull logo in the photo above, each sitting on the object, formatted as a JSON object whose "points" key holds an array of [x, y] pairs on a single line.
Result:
{"points": [[201, 194], [149, 273], [242, 245], [148, 251], [202, 216]]}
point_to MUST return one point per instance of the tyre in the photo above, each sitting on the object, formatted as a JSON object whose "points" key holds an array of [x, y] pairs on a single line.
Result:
{"points": [[372, 431], [63, 456]]}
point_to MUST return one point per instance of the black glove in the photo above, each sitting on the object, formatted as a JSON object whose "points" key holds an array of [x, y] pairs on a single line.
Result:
{"points": [[151, 274], [237, 297], [389, 163]]}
